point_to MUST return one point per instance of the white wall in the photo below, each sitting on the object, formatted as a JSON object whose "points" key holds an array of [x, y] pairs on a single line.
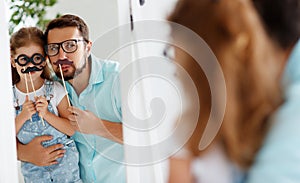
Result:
{"points": [[100, 15], [149, 85], [8, 165]]}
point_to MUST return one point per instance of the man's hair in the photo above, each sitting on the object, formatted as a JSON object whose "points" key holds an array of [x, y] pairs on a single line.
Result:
{"points": [[68, 20], [281, 19]]}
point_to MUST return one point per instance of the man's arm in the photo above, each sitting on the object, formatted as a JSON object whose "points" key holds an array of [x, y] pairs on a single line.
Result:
{"points": [[35, 153], [114, 131], [86, 122]]}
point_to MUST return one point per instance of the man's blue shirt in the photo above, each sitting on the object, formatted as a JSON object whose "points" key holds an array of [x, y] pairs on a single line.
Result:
{"points": [[101, 160]]}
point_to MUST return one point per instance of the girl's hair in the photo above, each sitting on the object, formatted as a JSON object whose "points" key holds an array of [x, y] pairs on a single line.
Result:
{"points": [[281, 19], [233, 30], [25, 37]]}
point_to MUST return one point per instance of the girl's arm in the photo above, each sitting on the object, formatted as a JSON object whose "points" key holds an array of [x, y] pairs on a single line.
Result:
{"points": [[59, 122], [180, 170]]}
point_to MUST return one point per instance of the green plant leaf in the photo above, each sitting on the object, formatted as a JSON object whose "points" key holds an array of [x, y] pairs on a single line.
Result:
{"points": [[24, 10]]}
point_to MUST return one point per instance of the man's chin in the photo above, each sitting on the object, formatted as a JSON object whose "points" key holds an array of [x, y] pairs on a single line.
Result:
{"points": [[67, 77]]}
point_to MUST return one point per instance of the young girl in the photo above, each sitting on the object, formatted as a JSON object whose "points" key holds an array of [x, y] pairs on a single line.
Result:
{"points": [[41, 107], [236, 35]]}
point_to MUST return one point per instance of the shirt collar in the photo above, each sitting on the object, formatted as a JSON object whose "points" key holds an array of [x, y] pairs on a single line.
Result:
{"points": [[96, 75]]}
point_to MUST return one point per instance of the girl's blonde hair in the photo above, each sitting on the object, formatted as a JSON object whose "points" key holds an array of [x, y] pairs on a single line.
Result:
{"points": [[235, 34]]}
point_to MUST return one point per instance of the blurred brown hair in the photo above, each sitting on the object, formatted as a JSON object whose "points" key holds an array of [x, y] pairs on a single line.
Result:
{"points": [[234, 32]]}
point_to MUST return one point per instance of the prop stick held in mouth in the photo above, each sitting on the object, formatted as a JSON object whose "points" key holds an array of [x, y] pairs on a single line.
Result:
{"points": [[35, 96], [32, 85], [27, 90], [63, 80]]}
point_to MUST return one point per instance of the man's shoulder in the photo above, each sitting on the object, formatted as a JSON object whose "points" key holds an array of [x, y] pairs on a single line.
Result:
{"points": [[106, 65], [111, 65]]}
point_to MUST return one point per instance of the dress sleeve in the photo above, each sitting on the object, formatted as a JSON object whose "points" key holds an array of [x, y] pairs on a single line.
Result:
{"points": [[59, 92]]}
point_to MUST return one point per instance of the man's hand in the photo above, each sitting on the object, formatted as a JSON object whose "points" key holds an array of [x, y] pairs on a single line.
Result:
{"points": [[85, 121], [35, 153], [88, 123]]}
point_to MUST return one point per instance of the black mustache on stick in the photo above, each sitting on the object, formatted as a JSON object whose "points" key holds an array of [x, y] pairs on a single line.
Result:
{"points": [[64, 61], [31, 69]]}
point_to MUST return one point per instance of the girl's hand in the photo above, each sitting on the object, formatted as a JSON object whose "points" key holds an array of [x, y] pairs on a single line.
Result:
{"points": [[28, 109], [41, 106]]}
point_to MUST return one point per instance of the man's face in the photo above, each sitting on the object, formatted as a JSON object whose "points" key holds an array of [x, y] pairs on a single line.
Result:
{"points": [[74, 62]]}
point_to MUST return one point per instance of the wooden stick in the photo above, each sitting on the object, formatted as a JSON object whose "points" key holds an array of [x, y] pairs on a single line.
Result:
{"points": [[32, 85], [63, 80], [35, 96], [27, 90], [26, 84]]}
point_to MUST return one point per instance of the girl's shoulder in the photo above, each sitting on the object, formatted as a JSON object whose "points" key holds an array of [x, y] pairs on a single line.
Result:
{"points": [[54, 84]]}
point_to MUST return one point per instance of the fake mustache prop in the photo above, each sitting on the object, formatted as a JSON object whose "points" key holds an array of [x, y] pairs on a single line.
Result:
{"points": [[64, 61], [31, 69]]}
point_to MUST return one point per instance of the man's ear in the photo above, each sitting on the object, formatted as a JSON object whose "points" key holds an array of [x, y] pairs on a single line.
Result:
{"points": [[89, 47]]}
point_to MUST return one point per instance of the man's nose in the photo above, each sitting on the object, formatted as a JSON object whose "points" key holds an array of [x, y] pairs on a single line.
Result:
{"points": [[61, 53]]}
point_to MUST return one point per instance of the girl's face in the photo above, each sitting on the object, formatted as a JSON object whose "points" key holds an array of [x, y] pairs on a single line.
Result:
{"points": [[29, 51]]}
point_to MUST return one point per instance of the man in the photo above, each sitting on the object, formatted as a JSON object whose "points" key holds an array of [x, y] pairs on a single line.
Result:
{"points": [[92, 85], [278, 160]]}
